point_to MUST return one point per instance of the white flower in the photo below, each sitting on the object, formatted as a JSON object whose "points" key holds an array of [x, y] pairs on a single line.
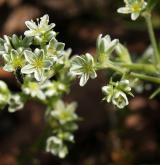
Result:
{"points": [[34, 89], [105, 45], [116, 92], [84, 67], [64, 112], [4, 94], [55, 146], [55, 49], [124, 85], [15, 103], [108, 91], [40, 28], [15, 60], [133, 7], [120, 99], [54, 88], [37, 64]]}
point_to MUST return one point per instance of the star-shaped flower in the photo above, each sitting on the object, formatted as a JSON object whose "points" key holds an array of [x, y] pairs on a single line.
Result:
{"points": [[64, 113], [133, 7], [34, 89], [41, 31], [40, 28], [55, 49], [120, 99], [84, 67], [54, 88], [14, 60], [15, 103], [37, 64], [115, 92], [55, 146], [105, 45]]}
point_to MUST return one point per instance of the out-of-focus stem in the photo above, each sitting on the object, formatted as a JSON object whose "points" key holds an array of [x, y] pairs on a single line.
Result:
{"points": [[145, 77], [152, 37]]}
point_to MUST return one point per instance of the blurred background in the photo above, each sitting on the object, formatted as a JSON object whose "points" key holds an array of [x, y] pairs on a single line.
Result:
{"points": [[105, 136]]}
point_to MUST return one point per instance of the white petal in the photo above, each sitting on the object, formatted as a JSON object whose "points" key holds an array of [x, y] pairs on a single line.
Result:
{"points": [[52, 42], [112, 46], [44, 20], [14, 54], [134, 16], [90, 58], [103, 45], [51, 26], [28, 69], [31, 25], [29, 33], [99, 40], [83, 80], [38, 74], [7, 39], [8, 68], [108, 38], [47, 64], [124, 10], [78, 60], [93, 75], [29, 56], [41, 95]]}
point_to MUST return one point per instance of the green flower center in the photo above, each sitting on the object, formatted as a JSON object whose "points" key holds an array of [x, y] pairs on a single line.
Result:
{"points": [[64, 115], [38, 63], [136, 7], [33, 86], [18, 62], [120, 100], [88, 68]]}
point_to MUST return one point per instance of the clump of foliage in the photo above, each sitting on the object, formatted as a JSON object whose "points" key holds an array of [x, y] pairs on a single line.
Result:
{"points": [[46, 71]]}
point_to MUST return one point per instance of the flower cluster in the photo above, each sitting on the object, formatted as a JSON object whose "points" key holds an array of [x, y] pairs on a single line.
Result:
{"points": [[45, 71], [41, 65], [62, 120], [133, 7], [14, 101], [116, 93], [18, 53], [45, 90]]}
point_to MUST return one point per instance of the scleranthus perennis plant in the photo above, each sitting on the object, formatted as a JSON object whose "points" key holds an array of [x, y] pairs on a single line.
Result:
{"points": [[38, 57]]}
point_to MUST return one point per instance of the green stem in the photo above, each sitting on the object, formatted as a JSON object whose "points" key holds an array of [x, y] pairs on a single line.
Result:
{"points": [[147, 68], [123, 67], [152, 37], [145, 77], [110, 65], [115, 68]]}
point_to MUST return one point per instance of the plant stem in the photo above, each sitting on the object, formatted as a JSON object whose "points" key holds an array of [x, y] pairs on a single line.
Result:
{"points": [[123, 67], [147, 68], [110, 65], [145, 77], [152, 37]]}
